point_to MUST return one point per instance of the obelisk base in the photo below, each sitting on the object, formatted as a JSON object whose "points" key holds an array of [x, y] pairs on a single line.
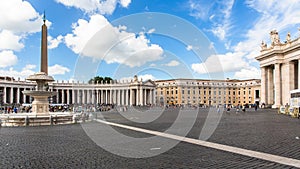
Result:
{"points": [[40, 105]]}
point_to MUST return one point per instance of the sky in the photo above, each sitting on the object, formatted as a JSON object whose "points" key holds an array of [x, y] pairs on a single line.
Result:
{"points": [[154, 39]]}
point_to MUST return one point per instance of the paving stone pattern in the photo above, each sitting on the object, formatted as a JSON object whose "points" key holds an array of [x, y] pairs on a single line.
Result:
{"points": [[68, 146]]}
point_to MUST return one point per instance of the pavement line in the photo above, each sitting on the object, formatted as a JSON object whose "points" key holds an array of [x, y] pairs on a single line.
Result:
{"points": [[236, 150]]}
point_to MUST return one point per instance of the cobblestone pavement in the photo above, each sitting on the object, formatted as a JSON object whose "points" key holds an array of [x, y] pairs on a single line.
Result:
{"points": [[68, 146]]}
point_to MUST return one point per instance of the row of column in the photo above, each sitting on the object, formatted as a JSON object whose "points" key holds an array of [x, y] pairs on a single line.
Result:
{"points": [[107, 96], [277, 80], [14, 95]]}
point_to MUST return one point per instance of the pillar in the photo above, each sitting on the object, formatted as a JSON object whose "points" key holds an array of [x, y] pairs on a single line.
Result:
{"points": [[298, 74], [73, 97], [278, 96], [62, 96], [18, 95], [115, 97], [4, 94], [88, 96], [131, 96], [141, 96], [145, 96], [68, 96], [270, 87], [127, 98], [57, 96], [150, 97], [11, 95], [137, 97], [110, 96], [263, 90], [24, 97], [119, 97]]}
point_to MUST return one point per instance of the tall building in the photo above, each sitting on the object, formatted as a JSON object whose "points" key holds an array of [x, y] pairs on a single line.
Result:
{"points": [[207, 92], [279, 64]]}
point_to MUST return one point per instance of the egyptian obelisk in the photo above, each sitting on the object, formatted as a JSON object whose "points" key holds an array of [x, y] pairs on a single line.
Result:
{"points": [[40, 104], [44, 48]]}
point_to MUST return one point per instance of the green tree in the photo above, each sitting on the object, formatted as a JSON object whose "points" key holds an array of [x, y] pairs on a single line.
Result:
{"points": [[99, 79]]}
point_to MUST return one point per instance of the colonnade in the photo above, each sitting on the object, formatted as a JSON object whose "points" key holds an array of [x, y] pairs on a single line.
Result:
{"points": [[14, 95], [278, 79], [120, 96]]}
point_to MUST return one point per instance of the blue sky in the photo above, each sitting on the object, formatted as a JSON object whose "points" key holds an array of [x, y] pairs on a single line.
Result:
{"points": [[152, 38]]}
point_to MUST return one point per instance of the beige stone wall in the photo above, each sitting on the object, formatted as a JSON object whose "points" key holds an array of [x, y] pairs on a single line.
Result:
{"points": [[204, 92]]}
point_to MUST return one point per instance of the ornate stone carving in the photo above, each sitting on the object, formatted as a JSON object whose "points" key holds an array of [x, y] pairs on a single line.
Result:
{"points": [[275, 40]]}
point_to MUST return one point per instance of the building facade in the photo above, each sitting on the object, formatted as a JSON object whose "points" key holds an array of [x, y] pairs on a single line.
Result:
{"points": [[132, 92], [135, 92], [207, 92], [279, 64]]}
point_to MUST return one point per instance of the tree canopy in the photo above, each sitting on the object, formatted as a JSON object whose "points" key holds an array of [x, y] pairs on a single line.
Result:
{"points": [[99, 79]]}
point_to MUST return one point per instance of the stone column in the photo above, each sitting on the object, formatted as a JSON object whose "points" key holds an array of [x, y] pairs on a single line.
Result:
{"points": [[270, 85], [137, 97], [93, 96], [73, 97], [4, 94], [298, 74], [145, 96], [127, 98], [123, 97], [57, 96], [78, 97], [141, 96], [24, 97], [97, 96], [11, 95], [83, 97], [110, 96], [150, 97], [115, 97], [62, 96], [277, 86], [264, 87], [131, 96], [18, 95], [101, 96], [106, 97], [68, 96], [119, 97], [88, 95]]}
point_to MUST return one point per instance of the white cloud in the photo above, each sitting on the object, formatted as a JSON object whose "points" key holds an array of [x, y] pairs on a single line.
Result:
{"points": [[97, 6], [248, 73], [19, 16], [274, 14], [83, 31], [98, 39], [172, 63], [10, 41], [7, 58], [151, 31], [125, 3], [24, 73], [58, 70], [199, 8], [217, 12], [221, 63], [189, 47], [144, 77], [280, 15], [54, 42]]}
